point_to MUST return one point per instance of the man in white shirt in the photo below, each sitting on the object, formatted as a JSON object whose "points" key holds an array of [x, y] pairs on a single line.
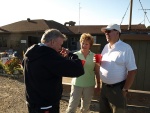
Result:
{"points": [[117, 71]]}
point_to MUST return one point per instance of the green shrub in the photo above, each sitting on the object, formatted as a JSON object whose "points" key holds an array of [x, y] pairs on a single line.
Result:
{"points": [[2, 66], [12, 66]]}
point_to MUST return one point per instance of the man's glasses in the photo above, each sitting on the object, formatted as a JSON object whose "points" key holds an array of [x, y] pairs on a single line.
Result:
{"points": [[109, 31]]}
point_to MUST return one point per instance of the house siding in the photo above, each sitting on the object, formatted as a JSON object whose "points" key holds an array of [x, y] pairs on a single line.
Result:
{"points": [[141, 49], [14, 41]]}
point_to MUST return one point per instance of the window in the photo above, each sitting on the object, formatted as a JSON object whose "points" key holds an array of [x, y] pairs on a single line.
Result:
{"points": [[3, 42], [94, 39]]}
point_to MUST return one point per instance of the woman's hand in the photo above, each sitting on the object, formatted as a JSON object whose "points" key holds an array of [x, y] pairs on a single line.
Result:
{"points": [[97, 89]]}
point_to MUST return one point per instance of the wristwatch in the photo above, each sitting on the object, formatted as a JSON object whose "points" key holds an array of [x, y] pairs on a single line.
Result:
{"points": [[125, 90]]}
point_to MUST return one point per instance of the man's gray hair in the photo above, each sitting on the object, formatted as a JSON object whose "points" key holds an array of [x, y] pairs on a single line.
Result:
{"points": [[51, 34]]}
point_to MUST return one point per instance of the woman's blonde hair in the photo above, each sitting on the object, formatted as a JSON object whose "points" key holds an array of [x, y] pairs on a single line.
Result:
{"points": [[87, 37]]}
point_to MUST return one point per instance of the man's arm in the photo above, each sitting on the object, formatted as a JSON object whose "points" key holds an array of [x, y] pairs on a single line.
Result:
{"points": [[129, 80]]}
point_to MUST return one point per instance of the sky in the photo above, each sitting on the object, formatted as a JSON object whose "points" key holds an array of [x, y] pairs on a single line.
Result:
{"points": [[83, 12]]}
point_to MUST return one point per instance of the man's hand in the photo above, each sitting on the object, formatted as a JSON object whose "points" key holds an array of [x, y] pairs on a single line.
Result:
{"points": [[94, 60], [124, 93], [46, 112], [64, 52]]}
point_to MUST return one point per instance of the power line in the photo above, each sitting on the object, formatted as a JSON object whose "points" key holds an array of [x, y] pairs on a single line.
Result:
{"points": [[141, 22], [145, 14], [125, 14], [144, 10]]}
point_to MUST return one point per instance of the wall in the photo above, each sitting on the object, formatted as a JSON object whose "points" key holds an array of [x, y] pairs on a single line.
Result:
{"points": [[141, 48], [16, 41], [96, 48]]}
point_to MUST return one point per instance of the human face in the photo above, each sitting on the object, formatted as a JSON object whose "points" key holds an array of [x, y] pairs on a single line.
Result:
{"points": [[112, 36], [85, 45], [56, 44]]}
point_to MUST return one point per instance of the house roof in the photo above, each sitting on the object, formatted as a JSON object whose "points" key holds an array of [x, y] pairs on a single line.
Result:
{"points": [[34, 25], [96, 29], [41, 25], [93, 29]]}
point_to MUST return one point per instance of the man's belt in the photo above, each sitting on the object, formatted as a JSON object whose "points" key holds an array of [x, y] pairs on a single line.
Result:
{"points": [[113, 85]]}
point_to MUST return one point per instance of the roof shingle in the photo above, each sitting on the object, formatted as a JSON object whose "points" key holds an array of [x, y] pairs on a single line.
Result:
{"points": [[34, 25]]}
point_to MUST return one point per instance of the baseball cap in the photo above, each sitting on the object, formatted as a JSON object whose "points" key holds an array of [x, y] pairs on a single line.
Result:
{"points": [[111, 27]]}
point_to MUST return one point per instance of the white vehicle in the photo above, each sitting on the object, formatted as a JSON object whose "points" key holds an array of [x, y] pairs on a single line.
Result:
{"points": [[4, 57]]}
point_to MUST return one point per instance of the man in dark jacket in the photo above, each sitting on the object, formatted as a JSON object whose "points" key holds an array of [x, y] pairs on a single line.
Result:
{"points": [[44, 65]]}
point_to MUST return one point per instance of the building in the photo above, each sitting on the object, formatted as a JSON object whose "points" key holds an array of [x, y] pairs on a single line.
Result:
{"points": [[20, 35]]}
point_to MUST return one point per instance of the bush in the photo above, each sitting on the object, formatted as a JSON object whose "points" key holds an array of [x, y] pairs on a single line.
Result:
{"points": [[13, 66], [2, 66]]}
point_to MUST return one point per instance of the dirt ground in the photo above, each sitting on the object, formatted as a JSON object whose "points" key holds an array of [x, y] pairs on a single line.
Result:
{"points": [[12, 99], [11, 96]]}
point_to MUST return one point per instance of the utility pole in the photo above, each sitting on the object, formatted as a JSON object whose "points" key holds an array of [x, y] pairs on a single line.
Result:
{"points": [[144, 13], [79, 19], [130, 19]]}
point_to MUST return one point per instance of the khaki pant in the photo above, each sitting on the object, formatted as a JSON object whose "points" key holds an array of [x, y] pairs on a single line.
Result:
{"points": [[77, 93]]}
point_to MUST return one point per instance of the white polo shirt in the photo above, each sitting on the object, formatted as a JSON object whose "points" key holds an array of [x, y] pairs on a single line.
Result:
{"points": [[116, 62]]}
